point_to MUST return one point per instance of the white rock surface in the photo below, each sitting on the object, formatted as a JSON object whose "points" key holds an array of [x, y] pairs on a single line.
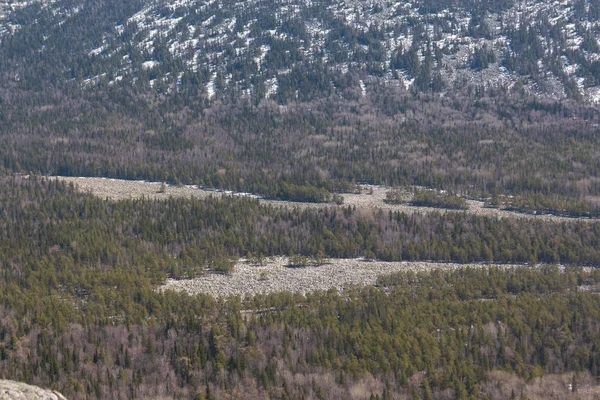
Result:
{"points": [[11, 390]]}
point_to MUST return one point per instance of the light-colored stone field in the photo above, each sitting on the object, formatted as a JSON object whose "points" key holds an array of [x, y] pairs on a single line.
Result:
{"points": [[11, 390], [276, 276], [118, 189]]}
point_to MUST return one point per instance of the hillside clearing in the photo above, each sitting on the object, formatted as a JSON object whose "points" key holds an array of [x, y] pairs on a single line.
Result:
{"points": [[119, 189], [275, 276]]}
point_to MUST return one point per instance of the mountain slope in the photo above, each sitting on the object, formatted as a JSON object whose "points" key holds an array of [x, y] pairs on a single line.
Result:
{"points": [[298, 49], [300, 100]]}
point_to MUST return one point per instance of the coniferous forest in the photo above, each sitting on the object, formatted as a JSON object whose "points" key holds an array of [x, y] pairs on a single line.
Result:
{"points": [[453, 102], [80, 312]]}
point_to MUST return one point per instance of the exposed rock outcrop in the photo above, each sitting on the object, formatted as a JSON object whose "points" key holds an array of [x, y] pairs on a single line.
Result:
{"points": [[11, 390]]}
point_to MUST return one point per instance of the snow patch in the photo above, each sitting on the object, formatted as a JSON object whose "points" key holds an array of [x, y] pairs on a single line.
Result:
{"points": [[149, 64], [210, 86], [271, 86]]}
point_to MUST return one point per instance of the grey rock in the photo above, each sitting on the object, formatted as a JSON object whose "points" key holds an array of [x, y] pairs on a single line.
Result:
{"points": [[11, 390]]}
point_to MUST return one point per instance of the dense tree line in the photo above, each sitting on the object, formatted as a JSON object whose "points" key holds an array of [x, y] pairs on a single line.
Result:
{"points": [[430, 198], [538, 203], [426, 198], [180, 236]]}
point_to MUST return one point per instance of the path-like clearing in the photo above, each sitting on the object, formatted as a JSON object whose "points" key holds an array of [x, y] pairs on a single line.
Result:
{"points": [[118, 189]]}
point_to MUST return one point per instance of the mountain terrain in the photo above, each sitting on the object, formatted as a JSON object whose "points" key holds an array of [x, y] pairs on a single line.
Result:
{"points": [[300, 100], [299, 199], [288, 50]]}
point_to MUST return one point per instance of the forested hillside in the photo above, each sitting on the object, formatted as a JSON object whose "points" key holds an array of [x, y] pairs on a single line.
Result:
{"points": [[306, 152], [307, 101], [80, 313], [299, 50], [449, 101]]}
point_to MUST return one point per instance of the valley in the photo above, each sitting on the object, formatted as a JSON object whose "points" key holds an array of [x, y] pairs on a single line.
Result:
{"points": [[300, 199]]}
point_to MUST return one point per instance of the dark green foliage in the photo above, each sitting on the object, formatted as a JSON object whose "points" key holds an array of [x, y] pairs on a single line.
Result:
{"points": [[303, 193], [180, 237], [539, 203], [430, 198], [80, 313], [222, 265], [482, 58], [395, 197]]}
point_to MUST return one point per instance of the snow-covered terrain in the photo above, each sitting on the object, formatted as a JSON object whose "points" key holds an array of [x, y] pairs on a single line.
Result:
{"points": [[265, 48]]}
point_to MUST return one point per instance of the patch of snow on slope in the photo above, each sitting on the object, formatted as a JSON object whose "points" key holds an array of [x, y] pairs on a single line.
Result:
{"points": [[210, 86], [149, 64], [271, 85]]}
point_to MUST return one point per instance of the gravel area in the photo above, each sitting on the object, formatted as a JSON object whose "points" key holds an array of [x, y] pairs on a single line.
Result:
{"points": [[118, 189], [275, 276]]}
